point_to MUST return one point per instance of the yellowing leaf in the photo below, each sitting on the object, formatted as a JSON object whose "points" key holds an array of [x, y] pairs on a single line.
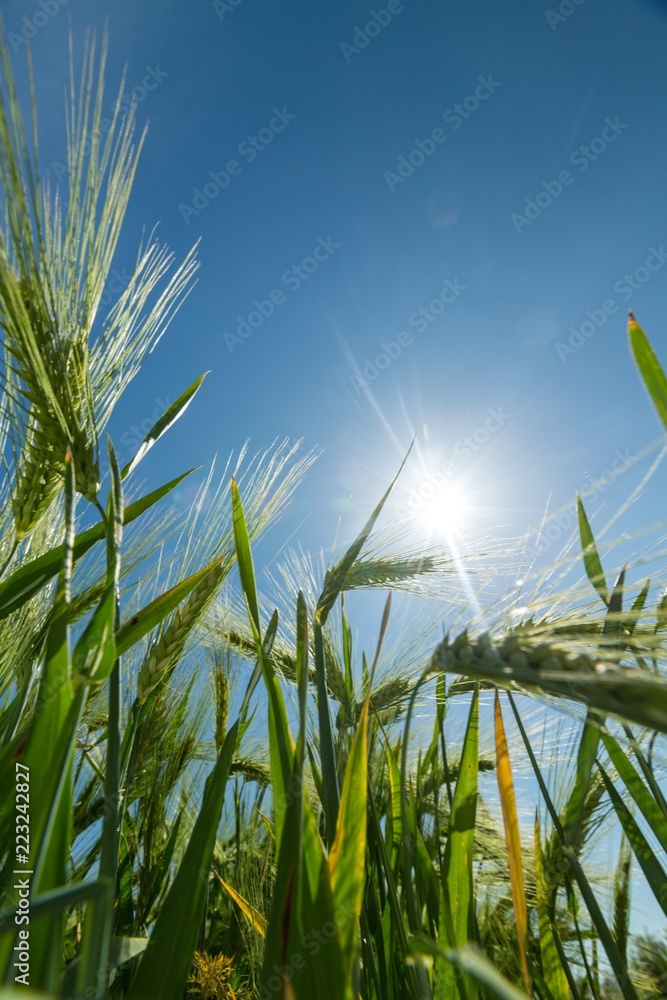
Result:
{"points": [[512, 837], [253, 915]]}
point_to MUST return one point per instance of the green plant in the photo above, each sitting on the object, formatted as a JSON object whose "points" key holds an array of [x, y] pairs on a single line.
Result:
{"points": [[289, 813], [65, 666]]}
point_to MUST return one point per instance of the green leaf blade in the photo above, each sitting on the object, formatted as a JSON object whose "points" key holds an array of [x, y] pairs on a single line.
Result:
{"points": [[592, 563], [649, 367], [162, 425]]}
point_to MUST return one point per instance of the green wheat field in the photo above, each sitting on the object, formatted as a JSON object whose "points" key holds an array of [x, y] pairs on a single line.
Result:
{"points": [[210, 791]]}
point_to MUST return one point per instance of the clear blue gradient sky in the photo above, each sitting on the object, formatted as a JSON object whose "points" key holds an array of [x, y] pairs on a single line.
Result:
{"points": [[426, 201], [322, 107]]}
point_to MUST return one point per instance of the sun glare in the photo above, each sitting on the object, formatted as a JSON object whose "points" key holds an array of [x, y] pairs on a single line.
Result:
{"points": [[444, 512]]}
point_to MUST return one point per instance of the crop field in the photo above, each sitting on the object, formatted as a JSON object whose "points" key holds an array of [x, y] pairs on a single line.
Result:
{"points": [[220, 782]]}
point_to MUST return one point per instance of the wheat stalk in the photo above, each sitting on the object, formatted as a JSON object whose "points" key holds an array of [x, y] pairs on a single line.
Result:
{"points": [[60, 384], [167, 650], [598, 681]]}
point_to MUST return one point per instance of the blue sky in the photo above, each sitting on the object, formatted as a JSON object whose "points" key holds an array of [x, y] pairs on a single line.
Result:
{"points": [[432, 217], [317, 109]]}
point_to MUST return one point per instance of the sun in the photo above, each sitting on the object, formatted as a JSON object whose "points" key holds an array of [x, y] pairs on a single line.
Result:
{"points": [[444, 511]]}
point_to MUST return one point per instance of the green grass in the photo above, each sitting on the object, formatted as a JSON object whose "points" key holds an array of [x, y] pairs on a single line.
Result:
{"points": [[227, 796]]}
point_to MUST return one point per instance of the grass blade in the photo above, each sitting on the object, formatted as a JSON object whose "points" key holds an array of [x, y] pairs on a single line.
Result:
{"points": [[552, 967], [653, 815], [649, 367], [27, 581], [653, 870], [600, 924], [164, 966], [330, 789], [334, 580], [473, 964], [303, 901], [622, 900], [512, 836], [48, 757], [58, 900], [604, 934], [347, 858], [254, 916], [97, 937], [631, 619], [161, 426], [142, 622], [573, 817], [94, 655], [244, 558], [592, 563], [457, 911], [281, 743]]}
